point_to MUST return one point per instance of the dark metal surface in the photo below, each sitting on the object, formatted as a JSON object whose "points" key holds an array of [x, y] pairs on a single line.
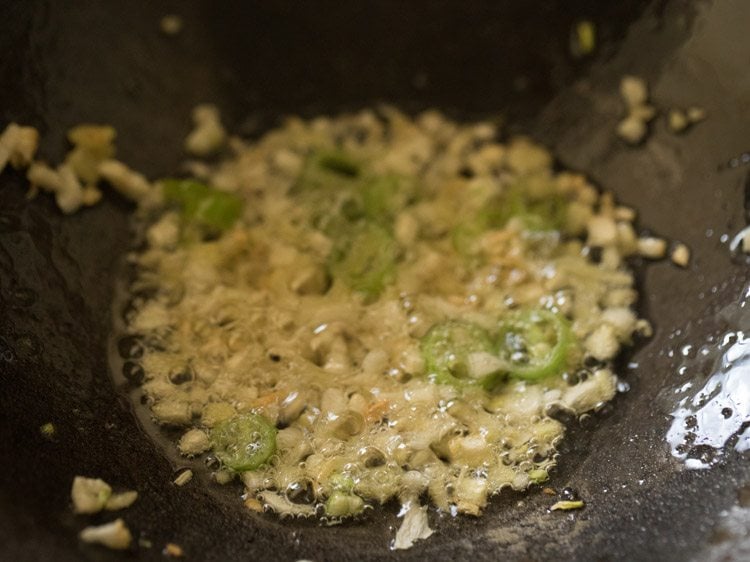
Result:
{"points": [[107, 62]]}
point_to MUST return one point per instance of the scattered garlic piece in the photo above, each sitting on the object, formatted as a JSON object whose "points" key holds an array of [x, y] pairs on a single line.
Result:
{"points": [[93, 144], [223, 476], [623, 213], [89, 495], [696, 114], [681, 255], [63, 183], [414, 527], [567, 505], [209, 135], [602, 231], [115, 535], [651, 247], [254, 505], [633, 90], [194, 442], [632, 130], [18, 144], [643, 112], [172, 550], [602, 343], [172, 412], [524, 156], [677, 121], [41, 175], [69, 195], [184, 477], [121, 500], [91, 195], [127, 182]]}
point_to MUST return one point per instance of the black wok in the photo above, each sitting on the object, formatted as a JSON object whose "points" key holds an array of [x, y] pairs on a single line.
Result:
{"points": [[64, 63]]}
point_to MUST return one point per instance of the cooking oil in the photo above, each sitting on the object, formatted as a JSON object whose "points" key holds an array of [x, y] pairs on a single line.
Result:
{"points": [[714, 417]]}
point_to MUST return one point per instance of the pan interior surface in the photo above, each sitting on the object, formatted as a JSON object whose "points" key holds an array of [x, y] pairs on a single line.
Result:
{"points": [[259, 61]]}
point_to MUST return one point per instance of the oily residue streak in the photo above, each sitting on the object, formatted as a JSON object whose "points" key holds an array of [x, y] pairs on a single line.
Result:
{"points": [[716, 417]]}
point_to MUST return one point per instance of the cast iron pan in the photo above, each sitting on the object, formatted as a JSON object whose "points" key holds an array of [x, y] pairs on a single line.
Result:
{"points": [[64, 63]]}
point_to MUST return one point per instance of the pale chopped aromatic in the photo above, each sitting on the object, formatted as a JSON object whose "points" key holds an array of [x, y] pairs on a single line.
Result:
{"points": [[414, 527], [120, 500], [538, 476], [127, 182], [567, 505], [92, 145], [194, 442], [634, 90], [643, 113], [114, 535], [633, 128], [677, 120], [652, 247], [173, 550], [681, 255], [48, 430], [254, 505], [18, 145], [89, 495], [209, 135], [622, 213], [696, 114], [183, 477], [224, 476]]}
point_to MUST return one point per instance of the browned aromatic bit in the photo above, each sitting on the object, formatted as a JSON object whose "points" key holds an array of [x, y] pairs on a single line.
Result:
{"points": [[254, 505], [172, 550], [567, 505]]}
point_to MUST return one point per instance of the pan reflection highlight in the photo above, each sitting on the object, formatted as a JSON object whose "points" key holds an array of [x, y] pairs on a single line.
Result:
{"points": [[716, 417]]}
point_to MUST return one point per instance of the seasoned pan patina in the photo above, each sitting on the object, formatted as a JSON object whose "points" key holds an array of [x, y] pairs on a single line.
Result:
{"points": [[101, 62]]}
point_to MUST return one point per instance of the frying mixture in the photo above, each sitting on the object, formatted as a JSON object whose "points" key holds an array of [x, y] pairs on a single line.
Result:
{"points": [[371, 306]]}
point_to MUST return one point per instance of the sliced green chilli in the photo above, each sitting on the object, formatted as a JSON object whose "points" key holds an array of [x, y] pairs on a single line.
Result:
{"points": [[244, 442], [326, 173], [341, 504], [366, 260], [534, 343], [383, 197], [464, 237], [446, 348], [203, 205], [338, 162], [536, 213]]}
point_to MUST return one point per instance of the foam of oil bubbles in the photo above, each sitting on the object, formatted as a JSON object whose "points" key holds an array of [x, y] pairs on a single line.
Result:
{"points": [[716, 416]]}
